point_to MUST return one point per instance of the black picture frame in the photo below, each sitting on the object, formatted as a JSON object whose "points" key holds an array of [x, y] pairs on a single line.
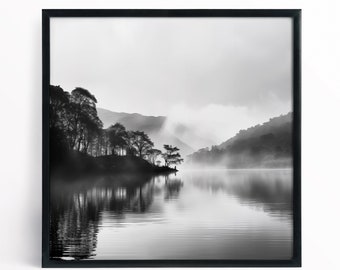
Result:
{"points": [[295, 14]]}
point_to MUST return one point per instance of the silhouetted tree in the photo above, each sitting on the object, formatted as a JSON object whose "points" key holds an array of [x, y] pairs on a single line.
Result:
{"points": [[84, 121], [75, 125], [58, 140], [171, 155], [130, 149], [117, 137], [141, 142], [59, 102]]}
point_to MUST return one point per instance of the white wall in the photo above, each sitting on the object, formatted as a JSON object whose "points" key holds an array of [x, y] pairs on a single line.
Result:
{"points": [[20, 97]]}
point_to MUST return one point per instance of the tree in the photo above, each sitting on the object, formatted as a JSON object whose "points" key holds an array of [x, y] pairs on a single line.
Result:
{"points": [[153, 154], [75, 125], [130, 149], [117, 137], [171, 155], [84, 122], [59, 102], [58, 108], [141, 142]]}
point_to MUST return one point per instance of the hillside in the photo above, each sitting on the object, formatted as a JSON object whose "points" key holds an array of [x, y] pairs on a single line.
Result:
{"points": [[266, 145], [152, 125], [132, 121]]}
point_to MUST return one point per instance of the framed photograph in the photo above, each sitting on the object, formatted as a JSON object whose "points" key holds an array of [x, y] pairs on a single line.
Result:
{"points": [[171, 138]]}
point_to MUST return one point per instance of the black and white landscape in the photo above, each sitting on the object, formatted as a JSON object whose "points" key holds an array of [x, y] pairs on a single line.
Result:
{"points": [[171, 138]]}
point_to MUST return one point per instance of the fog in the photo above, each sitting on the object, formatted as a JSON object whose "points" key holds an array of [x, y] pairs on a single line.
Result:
{"points": [[239, 162], [210, 77], [213, 123], [214, 76]]}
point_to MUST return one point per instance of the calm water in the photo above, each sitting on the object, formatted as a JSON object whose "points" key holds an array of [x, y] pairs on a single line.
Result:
{"points": [[215, 214]]}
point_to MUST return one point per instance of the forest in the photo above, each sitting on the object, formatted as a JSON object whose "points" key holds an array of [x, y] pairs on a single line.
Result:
{"points": [[267, 145], [76, 132]]}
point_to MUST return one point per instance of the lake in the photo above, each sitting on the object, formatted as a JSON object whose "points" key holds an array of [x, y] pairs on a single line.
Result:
{"points": [[193, 214]]}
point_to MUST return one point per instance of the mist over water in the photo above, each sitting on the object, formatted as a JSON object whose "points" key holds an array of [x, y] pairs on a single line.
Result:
{"points": [[237, 162], [174, 92], [194, 214]]}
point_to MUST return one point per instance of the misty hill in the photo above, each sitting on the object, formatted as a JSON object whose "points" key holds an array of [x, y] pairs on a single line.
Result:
{"points": [[132, 121], [266, 145], [152, 125]]}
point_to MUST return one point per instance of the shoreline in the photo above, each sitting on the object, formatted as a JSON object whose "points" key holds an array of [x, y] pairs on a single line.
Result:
{"points": [[76, 164]]}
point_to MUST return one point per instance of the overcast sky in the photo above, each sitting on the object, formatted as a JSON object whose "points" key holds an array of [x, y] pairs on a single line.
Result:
{"points": [[218, 68]]}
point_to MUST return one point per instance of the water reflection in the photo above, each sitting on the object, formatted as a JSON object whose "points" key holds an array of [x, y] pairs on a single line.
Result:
{"points": [[77, 207], [172, 187], [74, 226], [191, 215], [267, 190]]}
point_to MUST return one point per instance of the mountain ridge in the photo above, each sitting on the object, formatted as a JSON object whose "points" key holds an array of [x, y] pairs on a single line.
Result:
{"points": [[152, 125], [265, 145]]}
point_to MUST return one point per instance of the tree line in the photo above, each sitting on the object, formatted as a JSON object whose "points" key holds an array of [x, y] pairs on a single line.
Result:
{"points": [[268, 144], [75, 126]]}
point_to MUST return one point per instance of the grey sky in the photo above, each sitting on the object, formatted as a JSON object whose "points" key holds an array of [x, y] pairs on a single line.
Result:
{"points": [[177, 66]]}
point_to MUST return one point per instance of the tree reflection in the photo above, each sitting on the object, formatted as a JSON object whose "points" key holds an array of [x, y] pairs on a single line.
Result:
{"points": [[172, 188], [76, 210], [74, 226]]}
